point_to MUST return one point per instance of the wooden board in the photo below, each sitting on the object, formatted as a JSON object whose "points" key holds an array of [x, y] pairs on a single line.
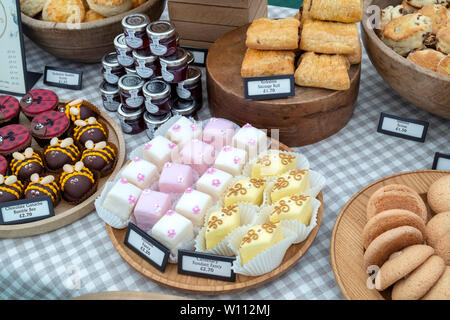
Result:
{"points": [[223, 3], [200, 31], [346, 248], [189, 284], [128, 295], [312, 115], [66, 213]]}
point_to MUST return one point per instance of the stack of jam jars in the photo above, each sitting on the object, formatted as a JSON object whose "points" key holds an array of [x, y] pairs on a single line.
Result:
{"points": [[149, 77]]}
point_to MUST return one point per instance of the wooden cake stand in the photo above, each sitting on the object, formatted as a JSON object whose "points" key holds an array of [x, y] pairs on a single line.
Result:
{"points": [[312, 115]]}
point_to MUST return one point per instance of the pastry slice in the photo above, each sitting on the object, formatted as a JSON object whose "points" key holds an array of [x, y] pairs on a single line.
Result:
{"points": [[347, 11], [323, 71], [329, 37], [271, 34], [355, 57], [259, 63]]}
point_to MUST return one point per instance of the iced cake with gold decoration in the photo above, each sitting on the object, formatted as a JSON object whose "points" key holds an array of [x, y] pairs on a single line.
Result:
{"points": [[289, 183], [220, 224], [273, 164], [245, 190], [295, 207]]}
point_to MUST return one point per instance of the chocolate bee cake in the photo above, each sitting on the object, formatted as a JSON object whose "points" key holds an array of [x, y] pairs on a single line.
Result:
{"points": [[11, 189], [23, 165], [89, 129], [78, 110], [99, 157], [46, 186], [61, 152], [77, 182]]}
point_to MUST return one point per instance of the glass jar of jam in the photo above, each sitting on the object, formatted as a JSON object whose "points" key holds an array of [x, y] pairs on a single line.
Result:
{"points": [[131, 122], [147, 65], [174, 68], [110, 96], [191, 57], [162, 37], [154, 122], [131, 96], [134, 29], [187, 108], [191, 88], [112, 70], [158, 98], [124, 52]]}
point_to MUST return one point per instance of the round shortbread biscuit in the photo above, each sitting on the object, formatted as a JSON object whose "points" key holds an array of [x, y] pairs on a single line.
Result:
{"points": [[437, 227], [441, 290], [400, 265], [443, 248], [420, 281], [31, 7], [64, 11], [388, 220], [395, 196], [438, 195], [389, 242], [109, 8]]}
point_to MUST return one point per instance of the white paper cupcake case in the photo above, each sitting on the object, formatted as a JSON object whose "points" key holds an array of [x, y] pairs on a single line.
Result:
{"points": [[266, 261]]}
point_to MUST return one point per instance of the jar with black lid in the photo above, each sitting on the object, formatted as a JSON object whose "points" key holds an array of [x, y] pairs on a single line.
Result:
{"points": [[110, 96], [112, 70], [191, 88], [162, 38], [134, 29], [147, 65], [158, 98], [131, 122], [131, 95], [124, 52], [174, 68], [153, 122]]}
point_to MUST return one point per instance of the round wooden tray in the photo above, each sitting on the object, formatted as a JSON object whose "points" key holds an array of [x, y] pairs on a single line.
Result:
{"points": [[346, 247], [66, 213], [313, 114], [190, 284]]}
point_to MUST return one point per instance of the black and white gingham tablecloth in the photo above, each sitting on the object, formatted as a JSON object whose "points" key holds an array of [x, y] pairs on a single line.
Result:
{"points": [[80, 259]]}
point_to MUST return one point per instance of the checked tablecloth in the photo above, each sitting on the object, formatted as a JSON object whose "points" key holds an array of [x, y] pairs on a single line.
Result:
{"points": [[43, 267]]}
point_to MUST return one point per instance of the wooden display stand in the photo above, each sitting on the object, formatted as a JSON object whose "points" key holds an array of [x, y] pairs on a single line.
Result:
{"points": [[201, 22]]}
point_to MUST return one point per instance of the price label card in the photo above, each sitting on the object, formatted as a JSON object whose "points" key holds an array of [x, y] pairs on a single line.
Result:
{"points": [[441, 161], [147, 247], [199, 55], [411, 129], [24, 211], [63, 78], [266, 88], [206, 265]]}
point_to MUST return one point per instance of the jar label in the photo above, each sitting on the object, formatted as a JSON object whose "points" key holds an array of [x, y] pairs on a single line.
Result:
{"points": [[135, 100], [110, 104], [182, 92], [167, 76], [126, 128], [109, 77], [151, 108], [157, 48], [150, 131], [133, 41], [143, 71], [124, 59]]}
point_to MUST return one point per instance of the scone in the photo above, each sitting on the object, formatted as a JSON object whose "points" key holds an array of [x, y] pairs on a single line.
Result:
{"points": [[389, 13], [323, 71], [348, 11], [406, 33], [427, 58], [271, 34], [91, 15], [407, 8], [109, 8], [423, 3], [444, 66], [137, 3], [443, 40], [259, 63], [66, 11], [329, 37], [31, 7], [438, 15]]}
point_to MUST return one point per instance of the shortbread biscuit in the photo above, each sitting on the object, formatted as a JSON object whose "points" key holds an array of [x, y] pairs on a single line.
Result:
{"points": [[441, 290], [258, 63], [401, 265], [426, 58], [420, 281], [444, 66], [396, 196], [347, 11], [31, 7], [65, 11], [436, 228], [91, 15], [423, 3], [406, 33], [443, 248], [389, 242], [439, 194], [109, 8], [273, 34], [323, 71], [390, 219], [438, 15]]}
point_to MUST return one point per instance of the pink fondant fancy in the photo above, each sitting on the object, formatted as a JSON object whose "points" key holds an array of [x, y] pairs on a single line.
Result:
{"points": [[216, 182]]}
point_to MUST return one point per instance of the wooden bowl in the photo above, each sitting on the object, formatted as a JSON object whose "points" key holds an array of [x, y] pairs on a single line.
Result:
{"points": [[89, 41], [313, 114], [346, 247], [426, 89]]}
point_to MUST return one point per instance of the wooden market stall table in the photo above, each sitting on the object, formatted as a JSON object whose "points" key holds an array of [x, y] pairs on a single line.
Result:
{"points": [[49, 266]]}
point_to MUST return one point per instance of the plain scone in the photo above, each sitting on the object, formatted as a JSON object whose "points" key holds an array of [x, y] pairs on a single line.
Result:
{"points": [[32, 7], [109, 8], [66, 11]]}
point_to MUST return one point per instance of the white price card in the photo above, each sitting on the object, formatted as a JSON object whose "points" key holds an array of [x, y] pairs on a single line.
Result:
{"points": [[441, 161], [265, 88], [206, 265], [27, 210], [411, 129], [63, 78], [147, 247], [199, 55]]}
